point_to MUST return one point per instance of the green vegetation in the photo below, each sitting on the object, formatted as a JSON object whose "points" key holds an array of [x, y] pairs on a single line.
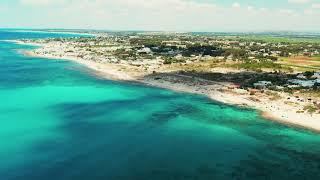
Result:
{"points": [[259, 66], [301, 63], [312, 92], [171, 60], [235, 53], [273, 95], [310, 109], [316, 58], [308, 74], [203, 50]]}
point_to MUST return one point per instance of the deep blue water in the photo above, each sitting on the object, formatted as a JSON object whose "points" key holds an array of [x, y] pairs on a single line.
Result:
{"points": [[60, 121]]}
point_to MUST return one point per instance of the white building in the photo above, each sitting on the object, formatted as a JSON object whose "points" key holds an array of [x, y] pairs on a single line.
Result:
{"points": [[301, 76], [316, 75], [145, 50], [262, 84], [303, 83]]}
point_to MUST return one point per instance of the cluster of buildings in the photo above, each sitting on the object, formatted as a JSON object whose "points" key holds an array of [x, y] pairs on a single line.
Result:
{"points": [[306, 82], [148, 46], [300, 81], [144, 49]]}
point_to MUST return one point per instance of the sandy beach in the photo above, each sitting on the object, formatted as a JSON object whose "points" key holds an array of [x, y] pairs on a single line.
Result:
{"points": [[286, 109]]}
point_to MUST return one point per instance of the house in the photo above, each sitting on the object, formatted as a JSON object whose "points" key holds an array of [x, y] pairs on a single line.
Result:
{"points": [[303, 83], [293, 86], [145, 50], [234, 86], [220, 57], [301, 76], [316, 75], [262, 84], [307, 54], [179, 56]]}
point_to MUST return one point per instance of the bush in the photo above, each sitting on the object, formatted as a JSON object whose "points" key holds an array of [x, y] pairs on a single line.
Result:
{"points": [[310, 109], [308, 74], [171, 60], [256, 66]]}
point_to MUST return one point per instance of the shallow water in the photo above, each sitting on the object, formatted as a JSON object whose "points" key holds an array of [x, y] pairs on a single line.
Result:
{"points": [[59, 121]]}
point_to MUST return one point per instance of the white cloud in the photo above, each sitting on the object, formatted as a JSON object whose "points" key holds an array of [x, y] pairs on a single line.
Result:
{"points": [[43, 2], [263, 9], [298, 1], [286, 11], [176, 15], [236, 5], [250, 8], [316, 6]]}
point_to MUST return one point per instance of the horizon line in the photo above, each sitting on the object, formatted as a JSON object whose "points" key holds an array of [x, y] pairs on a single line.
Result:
{"points": [[177, 31]]}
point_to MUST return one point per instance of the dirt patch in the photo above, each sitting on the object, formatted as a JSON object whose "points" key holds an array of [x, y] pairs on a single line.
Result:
{"points": [[301, 60]]}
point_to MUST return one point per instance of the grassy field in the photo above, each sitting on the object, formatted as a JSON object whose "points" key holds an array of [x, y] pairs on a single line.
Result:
{"points": [[195, 66], [301, 63], [291, 64], [207, 66], [259, 66]]}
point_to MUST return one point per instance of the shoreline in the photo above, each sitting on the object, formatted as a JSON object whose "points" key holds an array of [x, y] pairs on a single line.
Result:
{"points": [[57, 32], [277, 111], [22, 43]]}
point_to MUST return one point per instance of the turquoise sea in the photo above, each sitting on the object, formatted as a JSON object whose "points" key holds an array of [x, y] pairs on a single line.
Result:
{"points": [[58, 121]]}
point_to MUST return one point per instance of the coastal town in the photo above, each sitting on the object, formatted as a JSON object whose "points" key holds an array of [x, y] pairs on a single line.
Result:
{"points": [[160, 90], [278, 76]]}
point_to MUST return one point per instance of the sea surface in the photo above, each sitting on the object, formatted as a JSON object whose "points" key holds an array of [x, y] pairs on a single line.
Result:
{"points": [[59, 121]]}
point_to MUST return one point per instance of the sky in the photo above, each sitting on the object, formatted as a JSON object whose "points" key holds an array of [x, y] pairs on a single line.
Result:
{"points": [[163, 15]]}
